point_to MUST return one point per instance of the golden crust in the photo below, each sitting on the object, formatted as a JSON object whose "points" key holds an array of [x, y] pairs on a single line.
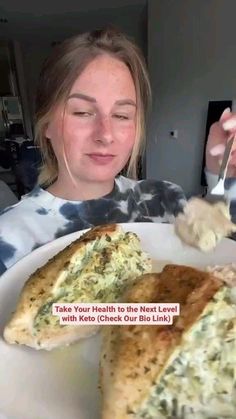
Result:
{"points": [[39, 287], [134, 356], [50, 337]]}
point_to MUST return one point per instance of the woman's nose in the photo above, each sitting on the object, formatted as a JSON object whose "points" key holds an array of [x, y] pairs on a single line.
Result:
{"points": [[104, 132]]}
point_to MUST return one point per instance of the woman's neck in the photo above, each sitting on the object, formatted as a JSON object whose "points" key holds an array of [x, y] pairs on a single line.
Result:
{"points": [[82, 191]]}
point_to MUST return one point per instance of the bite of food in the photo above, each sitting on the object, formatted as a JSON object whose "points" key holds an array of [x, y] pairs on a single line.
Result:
{"points": [[203, 224]]}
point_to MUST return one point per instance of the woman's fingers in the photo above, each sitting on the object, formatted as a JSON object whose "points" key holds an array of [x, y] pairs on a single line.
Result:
{"points": [[217, 140], [229, 122], [217, 150], [220, 132], [232, 161], [225, 115]]}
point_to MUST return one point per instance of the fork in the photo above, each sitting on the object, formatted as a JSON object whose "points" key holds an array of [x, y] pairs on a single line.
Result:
{"points": [[219, 189]]}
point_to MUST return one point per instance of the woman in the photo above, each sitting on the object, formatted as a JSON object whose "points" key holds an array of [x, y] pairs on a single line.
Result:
{"points": [[91, 106]]}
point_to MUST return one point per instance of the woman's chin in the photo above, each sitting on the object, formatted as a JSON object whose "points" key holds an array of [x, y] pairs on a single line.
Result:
{"points": [[99, 178], [101, 175]]}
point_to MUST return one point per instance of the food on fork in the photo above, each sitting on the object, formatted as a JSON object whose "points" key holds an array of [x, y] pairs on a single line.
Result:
{"points": [[95, 268], [182, 370], [227, 273], [203, 225]]}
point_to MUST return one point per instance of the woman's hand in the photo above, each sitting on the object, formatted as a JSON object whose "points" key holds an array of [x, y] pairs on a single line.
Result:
{"points": [[219, 134]]}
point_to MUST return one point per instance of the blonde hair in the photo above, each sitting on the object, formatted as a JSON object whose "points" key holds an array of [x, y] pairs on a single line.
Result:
{"points": [[59, 73]]}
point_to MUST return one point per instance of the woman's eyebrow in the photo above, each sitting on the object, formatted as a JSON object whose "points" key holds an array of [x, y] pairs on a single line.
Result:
{"points": [[91, 99], [82, 96], [123, 102]]}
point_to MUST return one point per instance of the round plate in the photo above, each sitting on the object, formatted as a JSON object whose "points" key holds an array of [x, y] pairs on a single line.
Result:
{"points": [[63, 383]]}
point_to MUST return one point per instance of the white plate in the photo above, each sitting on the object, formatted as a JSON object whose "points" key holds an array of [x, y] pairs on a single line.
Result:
{"points": [[63, 383]]}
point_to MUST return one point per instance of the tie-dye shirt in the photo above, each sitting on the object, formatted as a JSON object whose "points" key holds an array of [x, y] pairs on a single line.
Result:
{"points": [[40, 217]]}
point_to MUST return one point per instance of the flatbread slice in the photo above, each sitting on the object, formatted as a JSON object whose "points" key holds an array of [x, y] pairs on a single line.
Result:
{"points": [[95, 268], [184, 370]]}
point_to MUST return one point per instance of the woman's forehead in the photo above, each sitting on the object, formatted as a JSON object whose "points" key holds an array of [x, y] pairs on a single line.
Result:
{"points": [[105, 75]]}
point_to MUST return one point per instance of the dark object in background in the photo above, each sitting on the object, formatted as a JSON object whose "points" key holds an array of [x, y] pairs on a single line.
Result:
{"points": [[29, 161], [5, 157], [25, 159]]}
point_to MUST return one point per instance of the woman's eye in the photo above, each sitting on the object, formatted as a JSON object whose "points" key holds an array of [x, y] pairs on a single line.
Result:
{"points": [[83, 114], [121, 117]]}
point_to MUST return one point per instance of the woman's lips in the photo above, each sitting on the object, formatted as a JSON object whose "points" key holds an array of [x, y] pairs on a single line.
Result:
{"points": [[101, 158]]}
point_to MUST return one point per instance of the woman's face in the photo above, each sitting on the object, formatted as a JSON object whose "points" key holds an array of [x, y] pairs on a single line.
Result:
{"points": [[98, 123]]}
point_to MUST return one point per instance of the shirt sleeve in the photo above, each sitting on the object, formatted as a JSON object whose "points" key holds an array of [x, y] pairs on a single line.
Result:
{"points": [[211, 180]]}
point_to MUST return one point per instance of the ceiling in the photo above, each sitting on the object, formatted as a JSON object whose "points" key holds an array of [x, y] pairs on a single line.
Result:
{"points": [[45, 7], [27, 19]]}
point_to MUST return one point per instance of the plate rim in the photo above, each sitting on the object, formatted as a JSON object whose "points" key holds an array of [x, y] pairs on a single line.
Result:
{"points": [[55, 244]]}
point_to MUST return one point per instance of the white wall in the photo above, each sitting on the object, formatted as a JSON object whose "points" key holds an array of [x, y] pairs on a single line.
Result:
{"points": [[192, 59]]}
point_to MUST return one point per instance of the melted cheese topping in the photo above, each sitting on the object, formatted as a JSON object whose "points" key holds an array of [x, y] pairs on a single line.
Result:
{"points": [[100, 276], [200, 379]]}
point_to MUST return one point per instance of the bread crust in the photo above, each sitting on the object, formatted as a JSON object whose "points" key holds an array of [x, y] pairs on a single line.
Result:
{"points": [[39, 287], [133, 357]]}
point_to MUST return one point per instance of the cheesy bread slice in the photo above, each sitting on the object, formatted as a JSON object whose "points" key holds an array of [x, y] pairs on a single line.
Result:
{"points": [[185, 370], [95, 268]]}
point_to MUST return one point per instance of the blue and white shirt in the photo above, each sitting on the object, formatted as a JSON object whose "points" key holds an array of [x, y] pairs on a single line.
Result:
{"points": [[40, 217]]}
